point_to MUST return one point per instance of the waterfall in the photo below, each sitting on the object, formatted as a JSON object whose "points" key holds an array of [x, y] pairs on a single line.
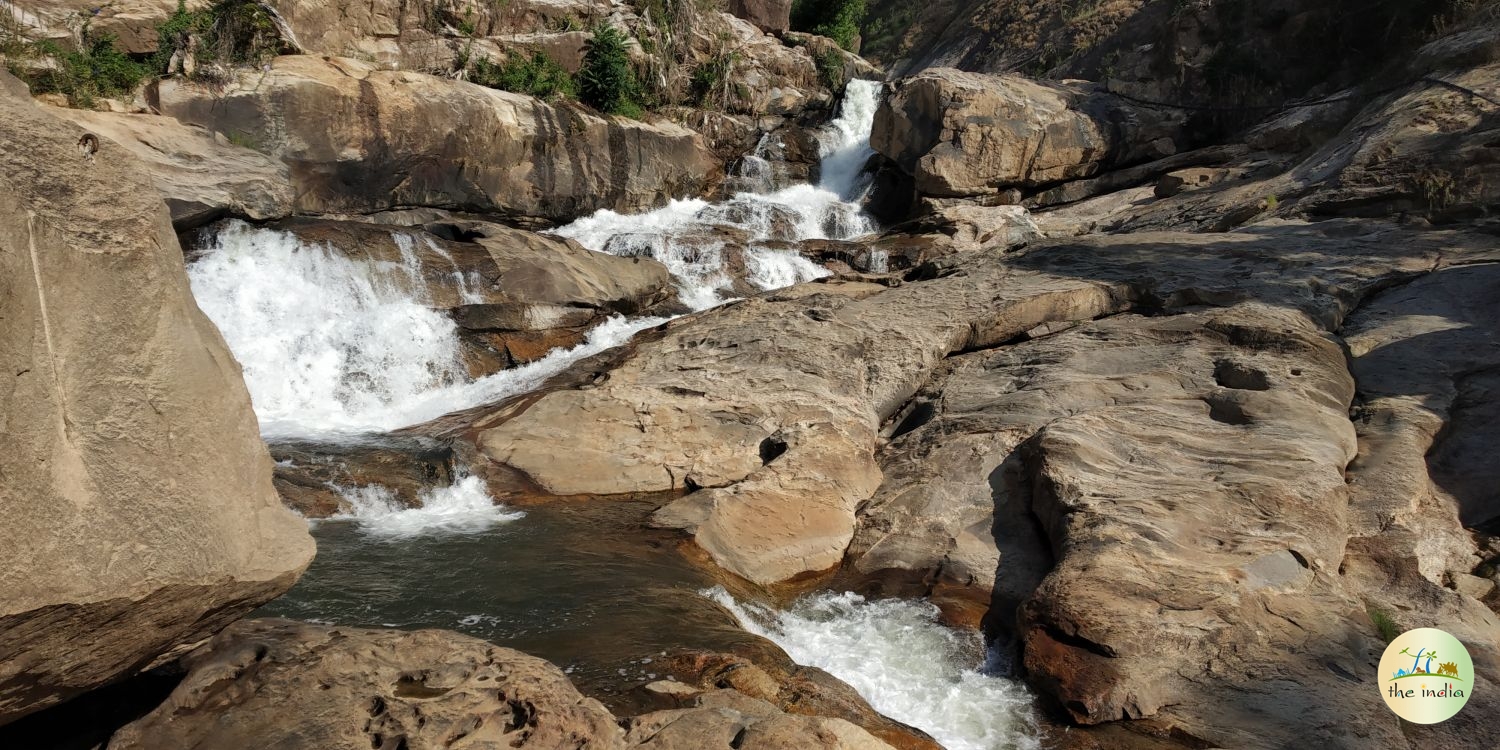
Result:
{"points": [[689, 236], [332, 345], [462, 507], [900, 659]]}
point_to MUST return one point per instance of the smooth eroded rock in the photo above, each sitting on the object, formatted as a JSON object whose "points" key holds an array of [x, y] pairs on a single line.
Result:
{"points": [[358, 140], [139, 509]]}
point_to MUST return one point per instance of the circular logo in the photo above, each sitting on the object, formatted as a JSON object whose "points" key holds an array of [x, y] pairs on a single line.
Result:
{"points": [[1426, 676]]}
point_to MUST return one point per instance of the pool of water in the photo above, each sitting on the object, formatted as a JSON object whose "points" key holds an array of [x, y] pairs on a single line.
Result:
{"points": [[583, 585]]}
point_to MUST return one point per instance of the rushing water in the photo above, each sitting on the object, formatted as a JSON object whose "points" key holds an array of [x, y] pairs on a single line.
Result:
{"points": [[333, 346], [688, 235], [907, 665]]}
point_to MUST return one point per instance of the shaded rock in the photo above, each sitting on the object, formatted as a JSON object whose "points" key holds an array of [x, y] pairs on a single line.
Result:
{"points": [[963, 134], [1429, 149], [140, 510], [769, 15], [312, 477], [359, 140], [1173, 183], [1424, 357], [203, 178], [284, 684]]}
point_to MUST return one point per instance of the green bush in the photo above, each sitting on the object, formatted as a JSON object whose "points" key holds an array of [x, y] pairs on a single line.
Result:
{"points": [[838, 20], [607, 82], [831, 69], [539, 76], [98, 69], [1383, 624], [231, 32], [710, 85]]}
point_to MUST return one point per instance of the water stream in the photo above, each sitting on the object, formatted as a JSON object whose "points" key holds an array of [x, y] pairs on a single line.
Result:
{"points": [[334, 347]]}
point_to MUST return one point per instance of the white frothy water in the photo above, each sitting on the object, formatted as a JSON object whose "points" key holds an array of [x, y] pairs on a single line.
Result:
{"points": [[688, 236], [900, 659], [332, 345], [462, 507]]}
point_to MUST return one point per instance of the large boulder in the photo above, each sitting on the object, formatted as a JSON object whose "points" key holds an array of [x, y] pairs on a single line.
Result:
{"points": [[285, 684], [289, 685], [359, 140], [202, 177], [961, 134], [769, 15], [139, 509]]}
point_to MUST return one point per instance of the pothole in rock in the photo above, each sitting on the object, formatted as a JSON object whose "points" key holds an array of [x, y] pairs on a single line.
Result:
{"points": [[1240, 376]]}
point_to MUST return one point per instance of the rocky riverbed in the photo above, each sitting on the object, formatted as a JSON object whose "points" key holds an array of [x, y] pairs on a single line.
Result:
{"points": [[1073, 382]]}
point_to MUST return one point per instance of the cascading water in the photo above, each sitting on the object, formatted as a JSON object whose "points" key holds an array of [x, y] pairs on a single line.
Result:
{"points": [[333, 346], [464, 506], [901, 660], [688, 236]]}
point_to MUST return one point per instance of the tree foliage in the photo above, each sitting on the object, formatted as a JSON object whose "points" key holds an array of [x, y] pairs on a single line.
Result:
{"points": [[838, 20], [607, 82]]}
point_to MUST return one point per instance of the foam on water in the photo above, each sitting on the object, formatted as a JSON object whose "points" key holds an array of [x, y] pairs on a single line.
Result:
{"points": [[907, 665], [682, 235], [332, 345], [462, 507]]}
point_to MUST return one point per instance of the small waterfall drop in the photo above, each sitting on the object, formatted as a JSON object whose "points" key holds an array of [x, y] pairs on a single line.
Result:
{"points": [[462, 507], [333, 345], [689, 236], [900, 659]]}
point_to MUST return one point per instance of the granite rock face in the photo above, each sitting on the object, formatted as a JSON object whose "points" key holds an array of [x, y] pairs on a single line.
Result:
{"points": [[138, 498], [359, 140]]}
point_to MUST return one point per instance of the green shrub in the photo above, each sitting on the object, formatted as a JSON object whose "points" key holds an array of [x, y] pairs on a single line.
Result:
{"points": [[230, 32], [607, 82], [1384, 624], [711, 85], [831, 69], [838, 20], [97, 69], [539, 76]]}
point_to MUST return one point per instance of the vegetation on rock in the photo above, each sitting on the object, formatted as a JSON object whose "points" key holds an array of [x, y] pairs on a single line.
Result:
{"points": [[538, 75], [96, 68], [607, 82], [838, 20]]}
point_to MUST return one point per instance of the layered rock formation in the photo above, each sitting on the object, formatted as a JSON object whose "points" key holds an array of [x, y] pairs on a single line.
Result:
{"points": [[358, 140], [140, 511], [965, 135], [203, 177]]}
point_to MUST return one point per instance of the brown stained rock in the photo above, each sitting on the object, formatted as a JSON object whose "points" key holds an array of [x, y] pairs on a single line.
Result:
{"points": [[139, 509], [358, 139], [768, 15], [965, 134], [793, 688], [279, 684], [203, 178], [286, 685]]}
